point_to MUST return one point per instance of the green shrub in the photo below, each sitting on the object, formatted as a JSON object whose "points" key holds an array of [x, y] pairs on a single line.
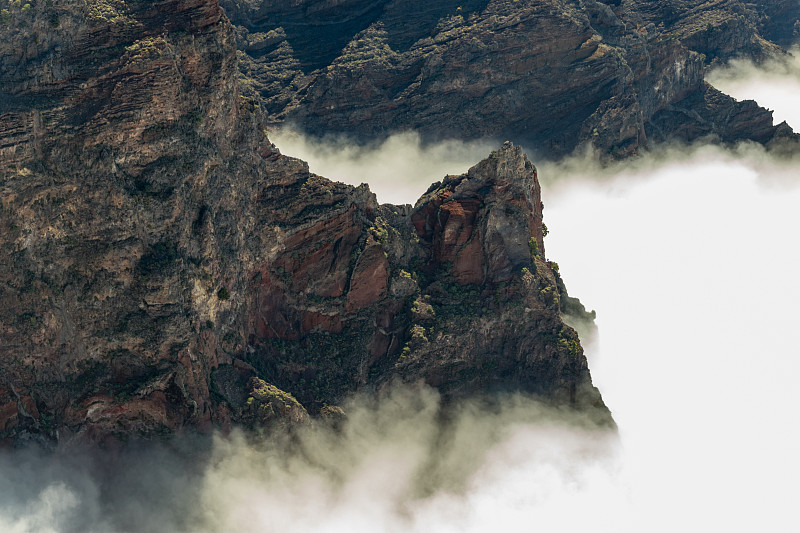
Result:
{"points": [[418, 337], [533, 246]]}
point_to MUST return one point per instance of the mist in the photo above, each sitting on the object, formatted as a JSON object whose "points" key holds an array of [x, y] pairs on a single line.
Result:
{"points": [[398, 169], [396, 464], [688, 256]]}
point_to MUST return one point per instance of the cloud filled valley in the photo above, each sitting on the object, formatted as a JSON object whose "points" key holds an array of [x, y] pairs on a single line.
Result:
{"points": [[687, 256]]}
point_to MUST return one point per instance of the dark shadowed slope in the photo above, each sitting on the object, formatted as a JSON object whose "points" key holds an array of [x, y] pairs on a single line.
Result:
{"points": [[551, 74]]}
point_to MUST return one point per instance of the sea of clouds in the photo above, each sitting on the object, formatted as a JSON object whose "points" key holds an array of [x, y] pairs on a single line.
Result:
{"points": [[689, 257]]}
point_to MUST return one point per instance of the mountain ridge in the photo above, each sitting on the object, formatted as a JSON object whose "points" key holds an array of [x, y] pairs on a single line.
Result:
{"points": [[165, 269], [552, 75]]}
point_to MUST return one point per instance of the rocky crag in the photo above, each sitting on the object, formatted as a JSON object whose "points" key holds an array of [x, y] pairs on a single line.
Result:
{"points": [[552, 74], [164, 268]]}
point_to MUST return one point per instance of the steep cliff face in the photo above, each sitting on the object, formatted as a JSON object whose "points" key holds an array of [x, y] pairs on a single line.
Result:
{"points": [[488, 301], [163, 267], [120, 131], [551, 74]]}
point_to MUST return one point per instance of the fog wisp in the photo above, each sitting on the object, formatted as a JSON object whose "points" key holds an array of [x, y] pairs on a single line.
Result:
{"points": [[398, 169], [394, 465]]}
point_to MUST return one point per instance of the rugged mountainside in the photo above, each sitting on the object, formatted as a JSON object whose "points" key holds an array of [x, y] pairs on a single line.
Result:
{"points": [[552, 74], [163, 267]]}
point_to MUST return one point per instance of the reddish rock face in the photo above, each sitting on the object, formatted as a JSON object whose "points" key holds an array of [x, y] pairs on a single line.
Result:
{"points": [[313, 321], [317, 259], [483, 231], [450, 224], [277, 318], [434, 293], [370, 278]]}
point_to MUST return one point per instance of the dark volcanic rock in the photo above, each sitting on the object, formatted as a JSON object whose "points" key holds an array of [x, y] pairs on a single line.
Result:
{"points": [[553, 75], [718, 29], [163, 267]]}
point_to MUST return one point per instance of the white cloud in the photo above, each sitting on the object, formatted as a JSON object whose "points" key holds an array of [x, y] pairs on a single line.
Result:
{"points": [[691, 268], [398, 170]]}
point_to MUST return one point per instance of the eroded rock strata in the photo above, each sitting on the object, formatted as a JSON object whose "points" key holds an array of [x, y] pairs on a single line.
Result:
{"points": [[552, 74], [163, 267]]}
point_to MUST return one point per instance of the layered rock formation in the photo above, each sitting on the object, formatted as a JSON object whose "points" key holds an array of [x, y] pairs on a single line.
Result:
{"points": [[617, 75], [163, 267], [119, 123]]}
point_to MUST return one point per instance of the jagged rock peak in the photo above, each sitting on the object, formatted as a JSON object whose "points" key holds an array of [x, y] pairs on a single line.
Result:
{"points": [[504, 187], [507, 163]]}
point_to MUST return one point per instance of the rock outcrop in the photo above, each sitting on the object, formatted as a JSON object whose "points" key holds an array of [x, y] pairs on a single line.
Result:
{"points": [[163, 267], [454, 291], [553, 75]]}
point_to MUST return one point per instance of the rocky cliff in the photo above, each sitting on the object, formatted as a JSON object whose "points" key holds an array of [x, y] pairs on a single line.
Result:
{"points": [[552, 74], [454, 291], [163, 267]]}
